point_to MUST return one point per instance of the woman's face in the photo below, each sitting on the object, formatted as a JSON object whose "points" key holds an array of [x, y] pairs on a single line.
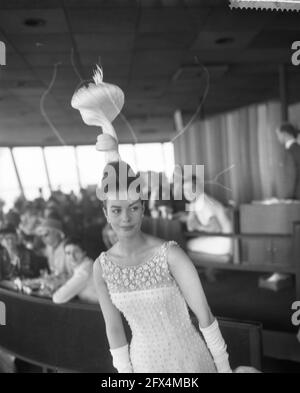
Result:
{"points": [[74, 254], [10, 241], [51, 238], [125, 216]]}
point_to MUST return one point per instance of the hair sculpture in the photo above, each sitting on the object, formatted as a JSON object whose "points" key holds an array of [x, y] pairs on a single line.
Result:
{"points": [[99, 104]]}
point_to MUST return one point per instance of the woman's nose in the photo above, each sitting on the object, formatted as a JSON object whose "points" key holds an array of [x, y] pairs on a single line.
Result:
{"points": [[125, 216]]}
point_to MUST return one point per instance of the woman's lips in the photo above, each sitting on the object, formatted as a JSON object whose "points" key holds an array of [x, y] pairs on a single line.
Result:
{"points": [[127, 228]]}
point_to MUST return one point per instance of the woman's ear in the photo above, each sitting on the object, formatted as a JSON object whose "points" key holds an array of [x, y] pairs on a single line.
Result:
{"points": [[105, 213], [143, 207]]}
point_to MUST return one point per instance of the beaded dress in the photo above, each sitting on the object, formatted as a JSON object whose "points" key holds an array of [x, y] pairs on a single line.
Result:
{"points": [[164, 340]]}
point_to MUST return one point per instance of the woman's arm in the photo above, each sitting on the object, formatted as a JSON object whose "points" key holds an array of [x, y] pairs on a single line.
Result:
{"points": [[113, 323], [190, 285], [73, 286], [186, 276], [112, 317]]}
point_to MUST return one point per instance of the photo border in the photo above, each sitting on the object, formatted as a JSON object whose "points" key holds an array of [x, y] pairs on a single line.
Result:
{"points": [[272, 5]]}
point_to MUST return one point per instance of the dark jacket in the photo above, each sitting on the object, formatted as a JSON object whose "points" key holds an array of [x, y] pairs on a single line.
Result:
{"points": [[29, 265], [294, 150], [5, 266]]}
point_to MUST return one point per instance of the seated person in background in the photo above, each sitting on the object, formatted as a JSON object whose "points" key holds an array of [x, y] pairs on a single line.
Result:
{"points": [[81, 282], [206, 214], [29, 221], [5, 266], [53, 236], [23, 263]]}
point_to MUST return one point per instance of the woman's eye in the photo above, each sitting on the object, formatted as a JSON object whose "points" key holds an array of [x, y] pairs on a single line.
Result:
{"points": [[134, 208], [116, 211]]}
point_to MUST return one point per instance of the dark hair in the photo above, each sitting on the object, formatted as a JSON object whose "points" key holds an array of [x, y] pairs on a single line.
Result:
{"points": [[119, 176], [8, 230], [75, 241], [288, 128]]}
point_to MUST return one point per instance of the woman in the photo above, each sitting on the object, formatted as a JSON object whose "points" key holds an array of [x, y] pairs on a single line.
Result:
{"points": [[152, 283], [206, 214], [81, 282]]}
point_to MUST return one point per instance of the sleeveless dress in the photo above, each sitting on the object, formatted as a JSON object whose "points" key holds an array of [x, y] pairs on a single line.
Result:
{"points": [[164, 340]]}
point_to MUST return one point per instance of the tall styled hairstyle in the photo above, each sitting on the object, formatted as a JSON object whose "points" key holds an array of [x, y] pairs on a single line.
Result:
{"points": [[118, 177]]}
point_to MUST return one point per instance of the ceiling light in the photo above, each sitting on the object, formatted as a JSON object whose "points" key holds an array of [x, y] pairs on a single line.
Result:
{"points": [[224, 40], [34, 22]]}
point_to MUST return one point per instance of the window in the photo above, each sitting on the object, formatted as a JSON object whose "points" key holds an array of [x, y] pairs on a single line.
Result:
{"points": [[31, 169], [90, 165], [70, 168], [61, 163], [9, 186]]}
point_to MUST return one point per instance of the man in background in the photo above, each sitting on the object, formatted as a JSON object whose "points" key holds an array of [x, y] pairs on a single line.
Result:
{"points": [[288, 136]]}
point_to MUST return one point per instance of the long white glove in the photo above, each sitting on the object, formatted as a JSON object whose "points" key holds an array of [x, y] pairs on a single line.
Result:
{"points": [[217, 347], [121, 360]]}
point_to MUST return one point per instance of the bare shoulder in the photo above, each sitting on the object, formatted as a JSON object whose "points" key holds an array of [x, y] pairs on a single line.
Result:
{"points": [[97, 270], [177, 256], [153, 242]]}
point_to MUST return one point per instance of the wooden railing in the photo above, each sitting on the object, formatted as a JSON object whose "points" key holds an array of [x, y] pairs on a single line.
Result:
{"points": [[172, 230], [239, 263]]}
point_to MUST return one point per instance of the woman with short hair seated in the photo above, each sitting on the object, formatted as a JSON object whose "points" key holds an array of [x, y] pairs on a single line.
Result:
{"points": [[206, 214], [81, 282]]}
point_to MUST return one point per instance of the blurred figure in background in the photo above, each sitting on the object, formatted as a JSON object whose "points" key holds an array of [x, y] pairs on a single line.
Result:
{"points": [[81, 282], [18, 260], [288, 136], [5, 267], [52, 235], [29, 221], [206, 214]]}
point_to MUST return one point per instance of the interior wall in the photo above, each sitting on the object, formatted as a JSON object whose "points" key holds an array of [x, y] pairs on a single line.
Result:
{"points": [[242, 158]]}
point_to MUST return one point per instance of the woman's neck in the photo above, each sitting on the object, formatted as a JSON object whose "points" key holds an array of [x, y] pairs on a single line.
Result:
{"points": [[128, 246]]}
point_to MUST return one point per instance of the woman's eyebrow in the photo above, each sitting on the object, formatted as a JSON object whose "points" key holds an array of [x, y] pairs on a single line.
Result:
{"points": [[133, 203]]}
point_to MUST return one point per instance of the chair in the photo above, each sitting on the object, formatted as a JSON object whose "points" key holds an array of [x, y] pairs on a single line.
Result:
{"points": [[244, 342]]}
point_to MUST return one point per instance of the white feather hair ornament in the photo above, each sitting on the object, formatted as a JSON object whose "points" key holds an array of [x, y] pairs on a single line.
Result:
{"points": [[99, 104]]}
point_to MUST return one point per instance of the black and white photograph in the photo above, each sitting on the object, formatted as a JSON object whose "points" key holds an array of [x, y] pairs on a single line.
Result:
{"points": [[149, 189]]}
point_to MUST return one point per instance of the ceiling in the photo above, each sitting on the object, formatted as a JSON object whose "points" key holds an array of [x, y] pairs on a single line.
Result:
{"points": [[153, 49]]}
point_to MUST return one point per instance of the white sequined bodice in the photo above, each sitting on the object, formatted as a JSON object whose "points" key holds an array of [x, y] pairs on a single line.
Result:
{"points": [[153, 273], [163, 337]]}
